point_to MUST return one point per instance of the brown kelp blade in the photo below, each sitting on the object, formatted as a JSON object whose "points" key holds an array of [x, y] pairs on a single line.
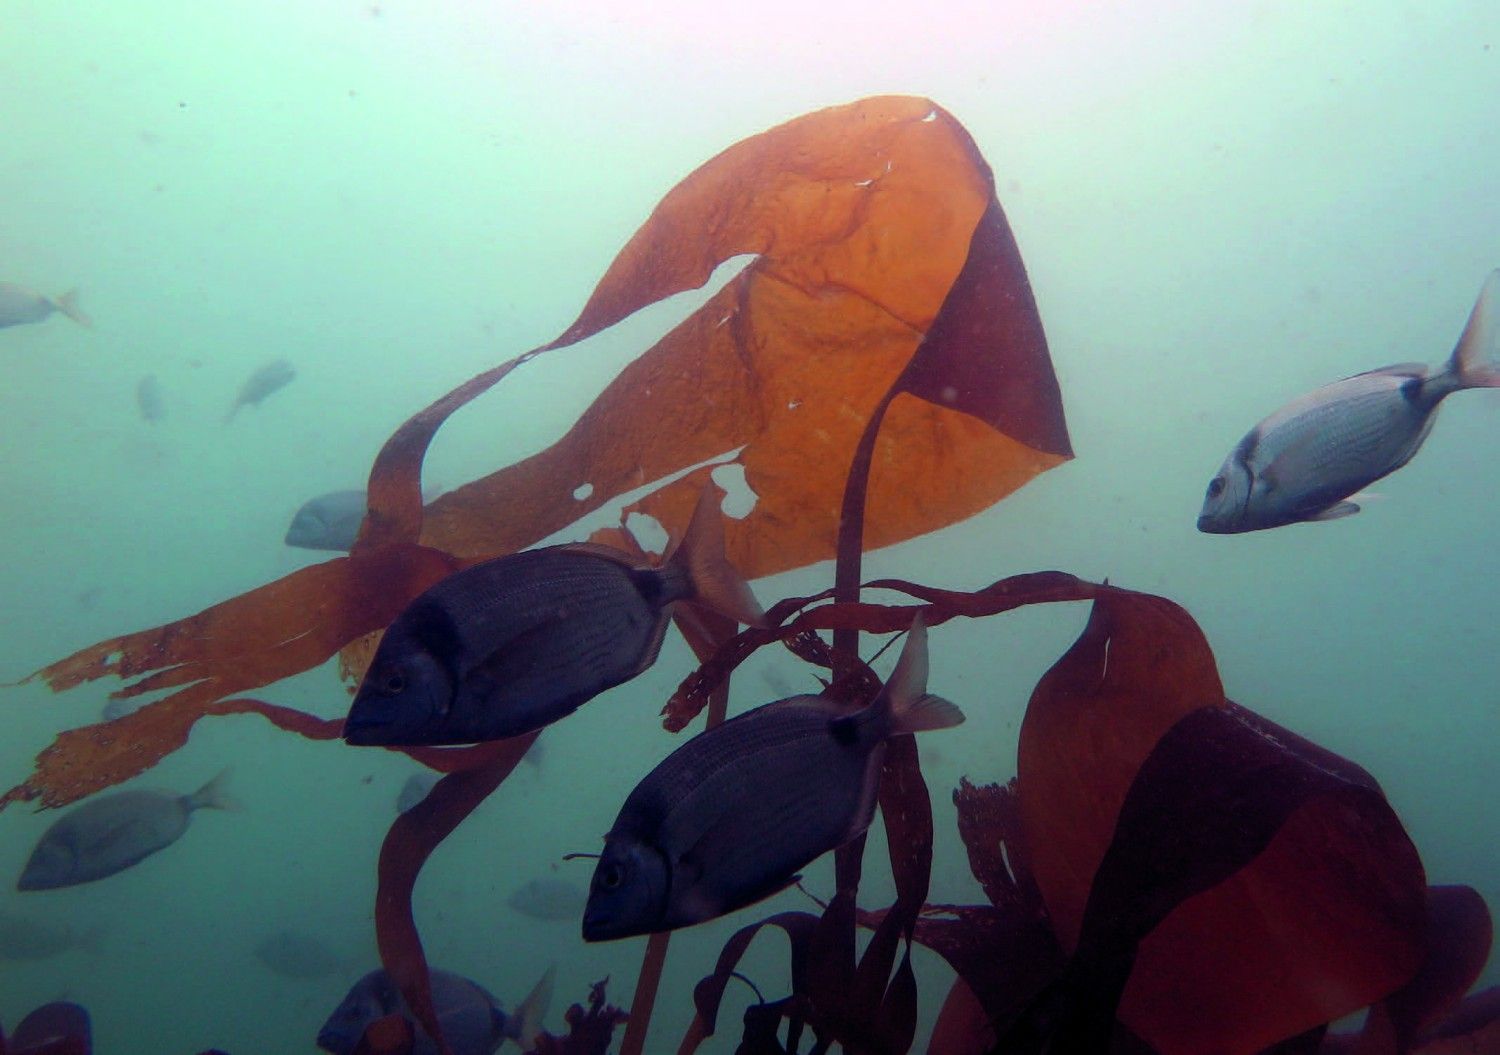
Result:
{"points": [[1324, 919]]}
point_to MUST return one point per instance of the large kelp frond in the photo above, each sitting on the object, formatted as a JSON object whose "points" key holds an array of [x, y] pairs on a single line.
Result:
{"points": [[883, 265], [1268, 884], [862, 219]]}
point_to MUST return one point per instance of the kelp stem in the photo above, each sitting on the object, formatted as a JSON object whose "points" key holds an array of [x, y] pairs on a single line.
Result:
{"points": [[852, 533]]}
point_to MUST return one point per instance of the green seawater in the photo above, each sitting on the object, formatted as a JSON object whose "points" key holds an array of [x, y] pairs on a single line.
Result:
{"points": [[1220, 206]]}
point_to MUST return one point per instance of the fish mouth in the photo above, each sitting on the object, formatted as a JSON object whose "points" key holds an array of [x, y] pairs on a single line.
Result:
{"points": [[361, 730]]}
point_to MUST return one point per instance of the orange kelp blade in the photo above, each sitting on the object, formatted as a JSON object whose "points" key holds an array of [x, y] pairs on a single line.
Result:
{"points": [[270, 633], [1326, 918], [862, 218]]}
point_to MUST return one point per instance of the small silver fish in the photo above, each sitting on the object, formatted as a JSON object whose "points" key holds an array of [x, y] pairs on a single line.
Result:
{"points": [[110, 833], [730, 816], [415, 789], [148, 399], [1304, 462], [270, 378], [19, 305], [295, 955], [328, 522], [25, 938], [549, 898], [509, 645], [472, 1020]]}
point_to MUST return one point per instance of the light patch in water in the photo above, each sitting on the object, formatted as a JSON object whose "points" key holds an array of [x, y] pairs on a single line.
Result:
{"points": [[739, 498], [582, 492], [647, 532]]}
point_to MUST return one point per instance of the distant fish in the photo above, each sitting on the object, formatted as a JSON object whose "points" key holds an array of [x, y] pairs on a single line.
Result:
{"points": [[509, 645], [19, 305], [415, 789], [119, 707], [110, 833], [270, 378], [472, 1020], [295, 955], [1306, 461], [148, 399], [730, 816], [26, 938], [550, 899], [328, 522]]}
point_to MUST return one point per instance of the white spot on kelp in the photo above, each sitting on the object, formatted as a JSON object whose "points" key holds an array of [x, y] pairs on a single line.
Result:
{"points": [[647, 532], [739, 497], [582, 492]]}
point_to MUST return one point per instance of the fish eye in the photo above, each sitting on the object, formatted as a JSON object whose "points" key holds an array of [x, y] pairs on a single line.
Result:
{"points": [[611, 876], [1216, 487], [393, 681]]}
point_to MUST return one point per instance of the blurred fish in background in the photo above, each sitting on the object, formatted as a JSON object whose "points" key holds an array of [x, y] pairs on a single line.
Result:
{"points": [[270, 378], [328, 522], [549, 899], [19, 306], [149, 400], [24, 937], [293, 954], [415, 789], [110, 833]]}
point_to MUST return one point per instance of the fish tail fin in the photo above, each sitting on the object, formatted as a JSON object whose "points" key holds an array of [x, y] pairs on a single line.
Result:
{"points": [[714, 581], [913, 710], [214, 795], [525, 1023], [92, 939], [68, 305], [1474, 362]]}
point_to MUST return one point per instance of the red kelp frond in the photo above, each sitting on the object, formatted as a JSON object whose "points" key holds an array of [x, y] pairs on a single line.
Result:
{"points": [[1250, 885], [589, 1032]]}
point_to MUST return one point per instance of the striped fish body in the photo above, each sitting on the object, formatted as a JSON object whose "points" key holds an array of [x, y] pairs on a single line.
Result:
{"points": [[510, 645], [736, 811]]}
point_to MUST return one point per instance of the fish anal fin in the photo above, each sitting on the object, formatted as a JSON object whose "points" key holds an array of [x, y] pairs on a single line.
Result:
{"points": [[1337, 511], [926, 713], [524, 1024]]}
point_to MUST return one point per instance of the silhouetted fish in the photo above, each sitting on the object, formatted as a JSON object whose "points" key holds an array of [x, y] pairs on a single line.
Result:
{"points": [[60, 1028], [549, 898], [25, 938], [328, 522], [472, 1020], [510, 645], [19, 305], [1307, 460], [415, 789], [110, 833], [295, 955], [148, 399], [272, 377], [730, 816]]}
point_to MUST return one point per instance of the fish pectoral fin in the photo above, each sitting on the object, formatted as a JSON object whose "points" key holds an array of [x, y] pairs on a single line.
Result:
{"points": [[1337, 511]]}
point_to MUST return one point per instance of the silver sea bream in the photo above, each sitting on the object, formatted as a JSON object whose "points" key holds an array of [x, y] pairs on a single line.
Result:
{"points": [[1306, 461]]}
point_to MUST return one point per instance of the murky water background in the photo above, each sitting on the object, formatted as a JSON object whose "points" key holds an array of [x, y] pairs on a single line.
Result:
{"points": [[1220, 206]]}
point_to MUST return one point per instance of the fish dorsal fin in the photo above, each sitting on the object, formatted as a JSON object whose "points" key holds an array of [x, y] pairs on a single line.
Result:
{"points": [[603, 552], [1394, 370]]}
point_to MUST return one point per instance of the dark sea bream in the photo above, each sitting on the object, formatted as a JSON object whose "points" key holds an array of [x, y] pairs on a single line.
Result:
{"points": [[109, 833], [1309, 459], [472, 1020], [729, 818], [510, 645]]}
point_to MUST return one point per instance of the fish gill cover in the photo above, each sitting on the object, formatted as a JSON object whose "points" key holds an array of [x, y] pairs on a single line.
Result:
{"points": [[1168, 871]]}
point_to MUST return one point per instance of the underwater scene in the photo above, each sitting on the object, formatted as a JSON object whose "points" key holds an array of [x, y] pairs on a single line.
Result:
{"points": [[579, 528]]}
